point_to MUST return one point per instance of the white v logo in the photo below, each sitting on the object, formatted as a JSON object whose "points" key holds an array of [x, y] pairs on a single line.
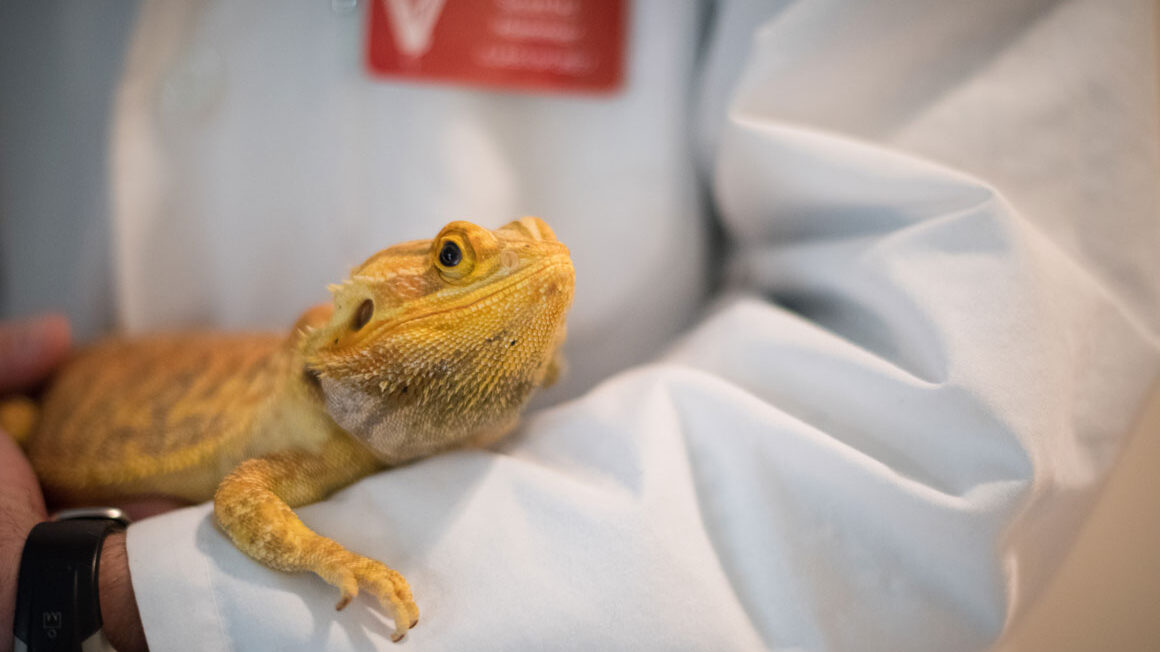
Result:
{"points": [[412, 22]]}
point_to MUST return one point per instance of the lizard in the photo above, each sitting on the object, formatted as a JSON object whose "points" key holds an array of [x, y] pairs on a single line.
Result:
{"points": [[428, 345]]}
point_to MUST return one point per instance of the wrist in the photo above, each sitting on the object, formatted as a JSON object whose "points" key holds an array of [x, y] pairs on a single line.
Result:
{"points": [[122, 620], [73, 589], [11, 543]]}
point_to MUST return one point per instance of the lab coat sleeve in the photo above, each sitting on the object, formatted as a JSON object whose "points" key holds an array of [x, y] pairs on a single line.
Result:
{"points": [[882, 439], [909, 436], [945, 221]]}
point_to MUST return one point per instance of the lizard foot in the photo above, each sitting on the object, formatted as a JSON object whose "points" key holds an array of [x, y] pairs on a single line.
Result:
{"points": [[351, 572]]}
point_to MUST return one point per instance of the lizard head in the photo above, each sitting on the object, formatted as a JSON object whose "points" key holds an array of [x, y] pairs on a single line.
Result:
{"points": [[435, 342]]}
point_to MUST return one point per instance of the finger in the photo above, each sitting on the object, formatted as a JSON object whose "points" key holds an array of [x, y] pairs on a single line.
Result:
{"points": [[30, 348]]}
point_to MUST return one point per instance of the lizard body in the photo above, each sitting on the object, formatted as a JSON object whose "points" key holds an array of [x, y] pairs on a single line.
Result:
{"points": [[428, 345]]}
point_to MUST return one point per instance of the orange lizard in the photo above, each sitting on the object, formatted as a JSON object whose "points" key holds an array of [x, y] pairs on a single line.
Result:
{"points": [[428, 345]]}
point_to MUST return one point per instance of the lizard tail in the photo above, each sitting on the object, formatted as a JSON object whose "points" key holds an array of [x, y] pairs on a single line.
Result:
{"points": [[18, 415]]}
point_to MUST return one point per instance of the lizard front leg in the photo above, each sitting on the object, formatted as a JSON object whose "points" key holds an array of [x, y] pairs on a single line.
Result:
{"points": [[253, 505]]}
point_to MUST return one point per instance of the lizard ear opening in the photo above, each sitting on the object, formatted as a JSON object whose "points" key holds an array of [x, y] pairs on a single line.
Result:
{"points": [[363, 315]]}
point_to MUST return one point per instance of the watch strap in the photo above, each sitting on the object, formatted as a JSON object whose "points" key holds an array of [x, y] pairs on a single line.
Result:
{"points": [[58, 606]]}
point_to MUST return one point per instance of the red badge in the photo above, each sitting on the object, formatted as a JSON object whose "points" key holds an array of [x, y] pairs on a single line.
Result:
{"points": [[538, 45]]}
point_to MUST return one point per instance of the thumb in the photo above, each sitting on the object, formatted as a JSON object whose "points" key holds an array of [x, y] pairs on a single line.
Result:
{"points": [[30, 348]]}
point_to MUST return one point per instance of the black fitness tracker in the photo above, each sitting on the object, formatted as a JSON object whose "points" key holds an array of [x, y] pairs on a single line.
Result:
{"points": [[57, 603]]}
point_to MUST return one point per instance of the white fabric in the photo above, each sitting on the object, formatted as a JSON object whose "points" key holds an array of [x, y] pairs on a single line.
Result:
{"points": [[943, 315]]}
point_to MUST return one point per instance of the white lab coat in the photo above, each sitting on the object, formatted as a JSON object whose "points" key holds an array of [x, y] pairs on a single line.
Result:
{"points": [[940, 314]]}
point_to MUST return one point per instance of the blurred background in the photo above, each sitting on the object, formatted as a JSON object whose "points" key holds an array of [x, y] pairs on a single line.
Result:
{"points": [[1107, 594]]}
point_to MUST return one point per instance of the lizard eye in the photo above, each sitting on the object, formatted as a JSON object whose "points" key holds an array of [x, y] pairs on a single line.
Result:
{"points": [[363, 315], [454, 257], [450, 254]]}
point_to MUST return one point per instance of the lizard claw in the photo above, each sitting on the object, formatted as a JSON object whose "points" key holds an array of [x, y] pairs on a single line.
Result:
{"points": [[401, 629], [348, 585], [403, 609], [393, 593]]}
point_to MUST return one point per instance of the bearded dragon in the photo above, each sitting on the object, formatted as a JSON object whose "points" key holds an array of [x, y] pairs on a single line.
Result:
{"points": [[428, 345]]}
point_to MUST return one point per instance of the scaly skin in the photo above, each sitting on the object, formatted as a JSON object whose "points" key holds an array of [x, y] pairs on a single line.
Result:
{"points": [[414, 356]]}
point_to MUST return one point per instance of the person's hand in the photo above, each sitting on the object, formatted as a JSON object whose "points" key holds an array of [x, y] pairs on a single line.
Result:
{"points": [[29, 350]]}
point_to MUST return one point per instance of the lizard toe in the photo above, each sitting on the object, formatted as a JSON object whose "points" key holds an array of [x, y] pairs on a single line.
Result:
{"points": [[392, 591]]}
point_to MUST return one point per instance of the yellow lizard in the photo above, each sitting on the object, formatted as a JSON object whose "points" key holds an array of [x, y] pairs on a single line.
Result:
{"points": [[428, 345]]}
